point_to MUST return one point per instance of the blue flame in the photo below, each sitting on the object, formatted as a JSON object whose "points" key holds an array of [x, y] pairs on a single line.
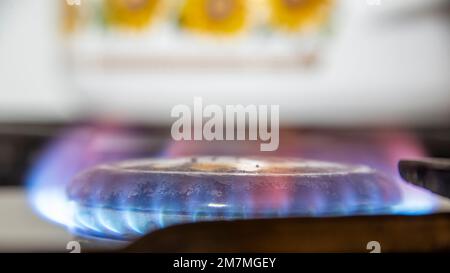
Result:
{"points": [[71, 152], [415, 201], [81, 148], [129, 224]]}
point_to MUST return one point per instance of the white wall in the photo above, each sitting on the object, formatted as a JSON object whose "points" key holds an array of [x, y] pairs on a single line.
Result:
{"points": [[386, 64]]}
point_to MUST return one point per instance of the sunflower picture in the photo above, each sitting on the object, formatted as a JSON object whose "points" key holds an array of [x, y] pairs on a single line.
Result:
{"points": [[71, 16], [214, 16], [297, 15], [135, 14]]}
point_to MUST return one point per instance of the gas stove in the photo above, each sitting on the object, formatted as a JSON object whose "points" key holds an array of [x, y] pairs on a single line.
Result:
{"points": [[48, 157]]}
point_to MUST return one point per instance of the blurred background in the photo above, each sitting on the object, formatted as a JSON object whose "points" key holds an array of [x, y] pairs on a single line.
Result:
{"points": [[363, 82], [349, 62]]}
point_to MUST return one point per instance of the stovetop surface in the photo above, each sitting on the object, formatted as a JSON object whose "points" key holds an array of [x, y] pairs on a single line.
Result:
{"points": [[21, 230]]}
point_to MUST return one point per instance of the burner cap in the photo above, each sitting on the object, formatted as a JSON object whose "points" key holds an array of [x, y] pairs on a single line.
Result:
{"points": [[208, 188]]}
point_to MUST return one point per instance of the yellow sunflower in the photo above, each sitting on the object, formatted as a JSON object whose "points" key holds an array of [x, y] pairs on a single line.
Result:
{"points": [[295, 15], [71, 16], [135, 14], [214, 16]]}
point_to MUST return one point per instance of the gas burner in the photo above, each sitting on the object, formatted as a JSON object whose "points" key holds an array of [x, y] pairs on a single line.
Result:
{"points": [[128, 199], [85, 181]]}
